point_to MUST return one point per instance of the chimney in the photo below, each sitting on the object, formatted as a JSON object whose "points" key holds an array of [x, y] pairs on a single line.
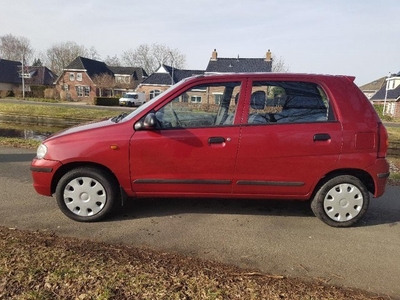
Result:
{"points": [[268, 57], [214, 55]]}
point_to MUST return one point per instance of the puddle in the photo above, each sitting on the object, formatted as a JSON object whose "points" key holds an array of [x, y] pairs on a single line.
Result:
{"points": [[27, 132]]}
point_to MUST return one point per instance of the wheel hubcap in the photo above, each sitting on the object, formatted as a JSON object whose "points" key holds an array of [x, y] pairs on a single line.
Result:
{"points": [[343, 202], [85, 196]]}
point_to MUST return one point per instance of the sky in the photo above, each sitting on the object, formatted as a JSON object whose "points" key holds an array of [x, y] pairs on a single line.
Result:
{"points": [[346, 37]]}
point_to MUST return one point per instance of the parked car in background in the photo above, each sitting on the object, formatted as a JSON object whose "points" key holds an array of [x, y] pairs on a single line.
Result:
{"points": [[132, 99], [282, 136]]}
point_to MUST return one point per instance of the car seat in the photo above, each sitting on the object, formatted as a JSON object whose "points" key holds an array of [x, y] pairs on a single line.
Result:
{"points": [[257, 102]]}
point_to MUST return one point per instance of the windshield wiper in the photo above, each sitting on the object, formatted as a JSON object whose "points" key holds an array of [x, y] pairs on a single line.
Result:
{"points": [[118, 118]]}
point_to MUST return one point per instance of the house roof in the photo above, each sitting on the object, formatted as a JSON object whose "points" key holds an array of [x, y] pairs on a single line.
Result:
{"points": [[92, 67], [164, 74], [238, 65], [9, 71], [136, 72], [374, 85], [41, 76], [393, 94], [95, 67]]}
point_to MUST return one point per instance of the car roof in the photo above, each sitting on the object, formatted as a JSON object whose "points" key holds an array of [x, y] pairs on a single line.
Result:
{"points": [[274, 76]]}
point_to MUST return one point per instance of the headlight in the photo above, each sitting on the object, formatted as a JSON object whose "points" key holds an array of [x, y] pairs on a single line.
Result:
{"points": [[41, 151]]}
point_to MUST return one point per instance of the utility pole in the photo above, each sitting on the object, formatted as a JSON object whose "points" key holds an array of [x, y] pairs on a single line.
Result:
{"points": [[172, 66], [386, 92], [23, 75]]}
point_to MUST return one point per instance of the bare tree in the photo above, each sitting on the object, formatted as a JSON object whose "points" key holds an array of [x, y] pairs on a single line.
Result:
{"points": [[93, 54], [150, 57], [112, 61], [104, 82], [279, 65], [61, 54], [15, 48]]}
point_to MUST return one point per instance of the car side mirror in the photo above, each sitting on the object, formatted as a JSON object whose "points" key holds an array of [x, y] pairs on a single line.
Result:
{"points": [[149, 122]]}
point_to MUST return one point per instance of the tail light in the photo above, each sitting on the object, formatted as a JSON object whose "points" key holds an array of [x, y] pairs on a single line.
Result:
{"points": [[383, 141]]}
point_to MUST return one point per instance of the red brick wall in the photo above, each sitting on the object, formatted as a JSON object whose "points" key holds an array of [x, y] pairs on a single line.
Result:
{"points": [[71, 93], [148, 88]]}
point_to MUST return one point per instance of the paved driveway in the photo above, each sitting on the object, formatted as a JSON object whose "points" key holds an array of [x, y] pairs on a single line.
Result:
{"points": [[274, 237]]}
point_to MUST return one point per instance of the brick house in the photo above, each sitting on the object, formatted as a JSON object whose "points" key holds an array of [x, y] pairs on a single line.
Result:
{"points": [[371, 88], [389, 96], [85, 79], [11, 78], [165, 76], [162, 79]]}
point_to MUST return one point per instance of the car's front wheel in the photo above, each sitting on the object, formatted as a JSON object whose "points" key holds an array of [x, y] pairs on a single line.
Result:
{"points": [[86, 194], [341, 201]]}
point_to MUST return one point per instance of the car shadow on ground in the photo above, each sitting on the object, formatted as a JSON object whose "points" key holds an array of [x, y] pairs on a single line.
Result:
{"points": [[159, 207], [380, 211]]}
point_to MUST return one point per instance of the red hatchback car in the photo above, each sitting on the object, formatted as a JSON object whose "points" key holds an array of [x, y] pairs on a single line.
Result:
{"points": [[261, 136]]}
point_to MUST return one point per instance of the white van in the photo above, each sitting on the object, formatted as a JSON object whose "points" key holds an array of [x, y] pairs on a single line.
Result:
{"points": [[132, 99]]}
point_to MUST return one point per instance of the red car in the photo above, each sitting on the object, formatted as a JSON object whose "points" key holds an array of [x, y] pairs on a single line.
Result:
{"points": [[264, 136]]}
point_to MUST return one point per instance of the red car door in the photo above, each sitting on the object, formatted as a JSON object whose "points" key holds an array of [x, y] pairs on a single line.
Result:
{"points": [[183, 161], [193, 150], [289, 141]]}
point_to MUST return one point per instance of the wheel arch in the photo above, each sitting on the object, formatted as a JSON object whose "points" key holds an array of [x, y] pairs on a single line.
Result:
{"points": [[362, 175], [70, 166]]}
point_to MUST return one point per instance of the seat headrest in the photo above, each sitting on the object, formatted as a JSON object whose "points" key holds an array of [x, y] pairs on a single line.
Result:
{"points": [[257, 100]]}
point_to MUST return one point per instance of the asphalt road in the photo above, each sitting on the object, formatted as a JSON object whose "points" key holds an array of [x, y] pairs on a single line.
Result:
{"points": [[280, 238]]}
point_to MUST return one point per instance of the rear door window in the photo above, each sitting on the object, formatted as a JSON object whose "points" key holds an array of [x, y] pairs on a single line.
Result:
{"points": [[288, 102]]}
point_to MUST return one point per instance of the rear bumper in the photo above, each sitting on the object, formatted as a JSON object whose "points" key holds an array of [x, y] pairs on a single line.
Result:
{"points": [[42, 171], [380, 173]]}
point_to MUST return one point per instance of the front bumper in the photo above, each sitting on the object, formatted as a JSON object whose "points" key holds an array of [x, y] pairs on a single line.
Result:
{"points": [[43, 171]]}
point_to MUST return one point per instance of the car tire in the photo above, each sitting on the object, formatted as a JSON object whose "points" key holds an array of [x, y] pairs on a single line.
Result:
{"points": [[87, 194], [341, 201]]}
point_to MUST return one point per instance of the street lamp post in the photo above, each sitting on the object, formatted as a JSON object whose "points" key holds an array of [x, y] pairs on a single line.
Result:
{"points": [[386, 92]]}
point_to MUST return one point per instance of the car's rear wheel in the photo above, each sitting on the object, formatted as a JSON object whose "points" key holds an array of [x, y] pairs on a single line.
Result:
{"points": [[341, 201], [86, 194]]}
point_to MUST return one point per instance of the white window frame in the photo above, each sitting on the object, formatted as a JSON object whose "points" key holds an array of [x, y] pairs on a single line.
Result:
{"points": [[154, 93], [78, 76], [71, 76], [195, 99], [219, 96], [79, 91]]}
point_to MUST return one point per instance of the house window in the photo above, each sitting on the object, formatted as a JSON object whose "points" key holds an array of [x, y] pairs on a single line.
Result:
{"points": [[66, 87], [79, 91], [123, 79], [71, 76], [82, 91], [391, 84], [79, 76], [217, 98], [154, 93], [195, 99]]}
